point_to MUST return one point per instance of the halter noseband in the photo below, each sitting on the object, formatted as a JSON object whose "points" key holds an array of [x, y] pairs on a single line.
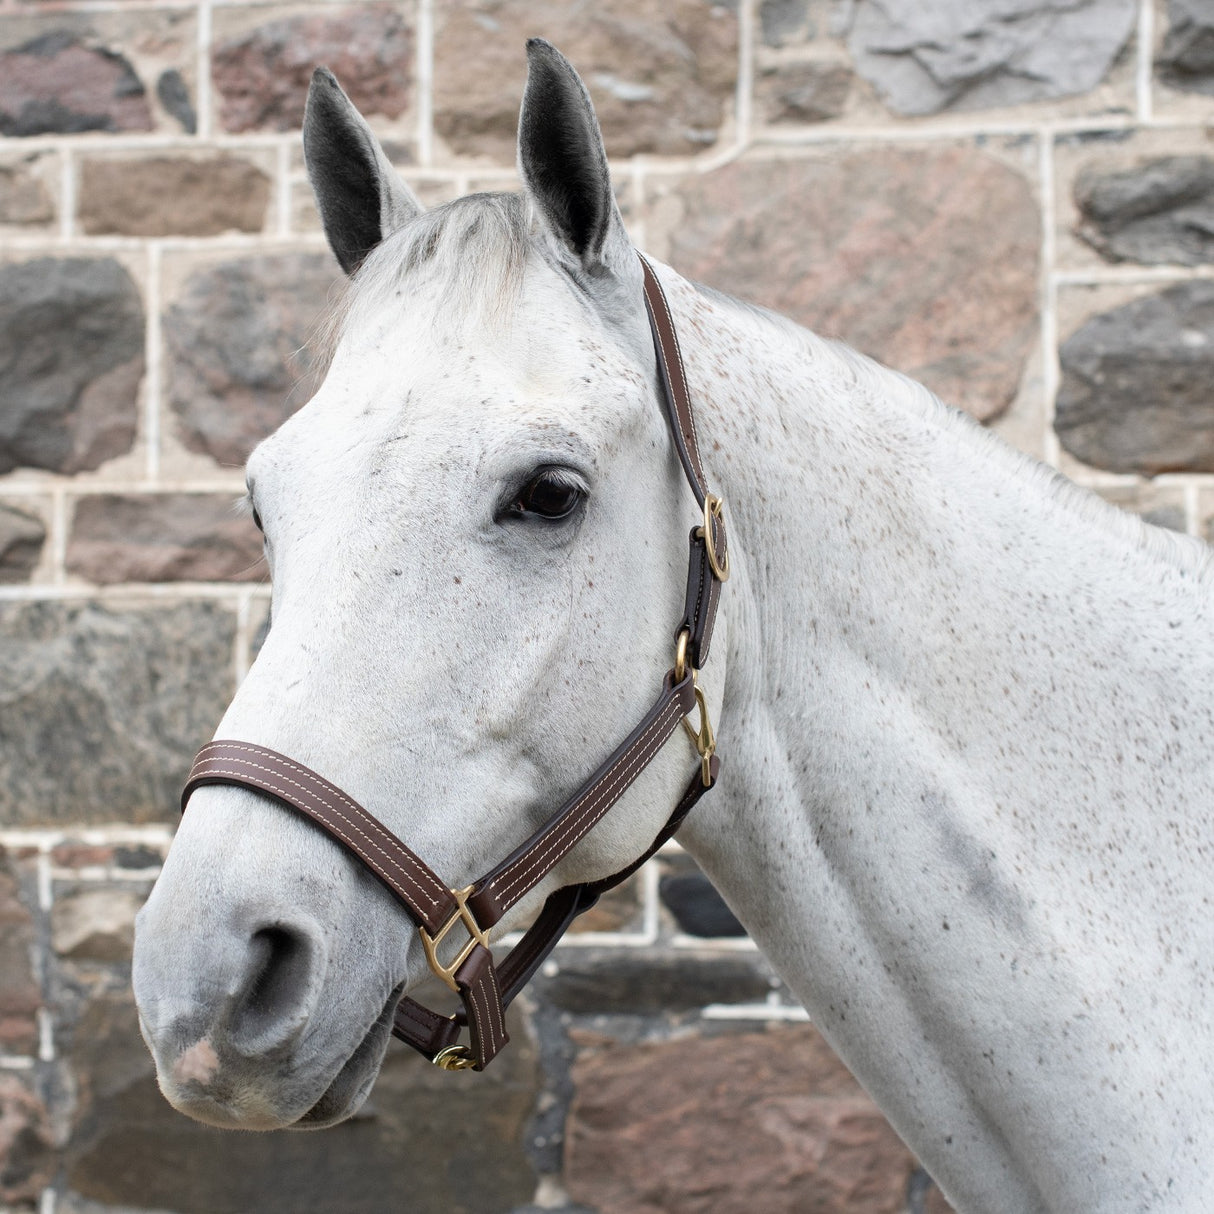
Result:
{"points": [[486, 989]]}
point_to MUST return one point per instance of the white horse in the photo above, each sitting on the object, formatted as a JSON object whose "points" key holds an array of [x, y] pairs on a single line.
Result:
{"points": [[966, 711]]}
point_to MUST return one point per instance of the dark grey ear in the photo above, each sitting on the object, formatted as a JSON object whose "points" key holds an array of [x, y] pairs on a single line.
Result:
{"points": [[563, 162], [360, 196]]}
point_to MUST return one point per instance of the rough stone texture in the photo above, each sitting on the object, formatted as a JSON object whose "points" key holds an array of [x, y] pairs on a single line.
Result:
{"points": [[618, 910], [172, 196], [71, 345], [1159, 211], [1186, 59], [236, 342], [1135, 392], [591, 982], [102, 709], [766, 1121], [21, 538], [59, 84], [20, 993], [697, 907], [163, 537], [95, 924], [24, 200], [662, 76], [27, 1161], [175, 97], [783, 21], [421, 1142], [975, 54], [890, 249], [262, 76], [804, 92]]}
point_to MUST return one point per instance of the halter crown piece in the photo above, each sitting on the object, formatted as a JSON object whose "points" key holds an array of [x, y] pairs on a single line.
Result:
{"points": [[485, 988]]}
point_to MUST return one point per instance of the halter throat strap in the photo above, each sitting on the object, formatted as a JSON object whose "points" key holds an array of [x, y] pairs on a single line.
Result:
{"points": [[456, 924]]}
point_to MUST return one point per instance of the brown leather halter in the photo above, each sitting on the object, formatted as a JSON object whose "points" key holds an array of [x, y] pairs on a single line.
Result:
{"points": [[484, 988]]}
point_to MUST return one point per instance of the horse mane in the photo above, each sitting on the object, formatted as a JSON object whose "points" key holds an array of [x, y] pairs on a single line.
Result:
{"points": [[1071, 502]]}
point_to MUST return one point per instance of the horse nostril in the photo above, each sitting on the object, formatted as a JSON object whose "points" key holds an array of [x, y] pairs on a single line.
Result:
{"points": [[280, 988]]}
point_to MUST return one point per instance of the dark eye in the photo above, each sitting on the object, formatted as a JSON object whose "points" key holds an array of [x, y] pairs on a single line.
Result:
{"points": [[257, 521], [551, 494]]}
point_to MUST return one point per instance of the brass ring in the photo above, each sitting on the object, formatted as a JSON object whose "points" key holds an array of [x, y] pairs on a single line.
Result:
{"points": [[714, 512], [680, 655]]}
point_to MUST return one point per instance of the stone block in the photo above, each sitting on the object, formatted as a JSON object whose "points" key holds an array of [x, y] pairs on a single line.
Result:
{"points": [[95, 923], [803, 92], [643, 983], [1158, 211], [62, 82], [426, 1140], [694, 903], [784, 21], [27, 1161], [163, 537], [979, 54], [174, 94], [71, 343], [1186, 59], [261, 75], [25, 200], [1135, 390], [732, 1124], [172, 195], [238, 348], [102, 708], [924, 258], [22, 534], [20, 991], [662, 77]]}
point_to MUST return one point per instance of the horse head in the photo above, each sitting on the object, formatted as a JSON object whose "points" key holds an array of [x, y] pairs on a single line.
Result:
{"points": [[476, 532]]}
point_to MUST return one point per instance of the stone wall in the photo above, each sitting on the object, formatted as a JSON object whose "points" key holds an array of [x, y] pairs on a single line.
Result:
{"points": [[1013, 202]]}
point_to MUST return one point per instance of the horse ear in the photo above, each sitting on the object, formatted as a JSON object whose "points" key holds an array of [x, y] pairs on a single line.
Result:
{"points": [[360, 196], [563, 163]]}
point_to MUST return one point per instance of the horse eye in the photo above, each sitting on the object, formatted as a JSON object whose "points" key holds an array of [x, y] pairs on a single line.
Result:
{"points": [[257, 521], [551, 495]]}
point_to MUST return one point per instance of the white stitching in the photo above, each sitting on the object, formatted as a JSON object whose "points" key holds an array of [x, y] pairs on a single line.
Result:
{"points": [[691, 417], [325, 787], [404, 878], [571, 824]]}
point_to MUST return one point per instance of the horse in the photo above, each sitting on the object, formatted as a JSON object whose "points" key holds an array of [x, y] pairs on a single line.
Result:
{"points": [[965, 709]]}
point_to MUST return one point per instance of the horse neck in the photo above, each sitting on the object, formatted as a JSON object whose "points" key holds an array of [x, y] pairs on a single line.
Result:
{"points": [[945, 671]]}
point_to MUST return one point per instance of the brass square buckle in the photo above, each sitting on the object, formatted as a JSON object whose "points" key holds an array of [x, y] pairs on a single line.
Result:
{"points": [[431, 943]]}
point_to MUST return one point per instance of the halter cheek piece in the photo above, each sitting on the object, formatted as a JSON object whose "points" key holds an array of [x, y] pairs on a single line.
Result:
{"points": [[484, 988]]}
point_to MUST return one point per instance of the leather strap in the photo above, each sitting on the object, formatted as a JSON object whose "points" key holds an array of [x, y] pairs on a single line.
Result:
{"points": [[484, 993]]}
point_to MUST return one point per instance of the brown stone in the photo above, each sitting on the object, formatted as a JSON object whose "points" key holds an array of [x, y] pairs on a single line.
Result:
{"points": [[102, 708], [262, 76], [24, 200], [20, 995], [804, 92], [58, 83], [421, 1142], [163, 537], [81, 855], [172, 196], [27, 1163], [925, 259], [618, 910], [767, 1121], [22, 535], [238, 344], [662, 76], [95, 924]]}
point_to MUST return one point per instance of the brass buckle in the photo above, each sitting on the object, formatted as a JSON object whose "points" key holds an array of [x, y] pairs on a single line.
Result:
{"points": [[431, 943], [680, 655], [704, 738], [714, 512], [454, 1058]]}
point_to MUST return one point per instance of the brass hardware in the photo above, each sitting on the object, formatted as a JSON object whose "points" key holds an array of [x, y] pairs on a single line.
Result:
{"points": [[680, 655], [704, 738], [714, 512], [431, 943], [454, 1058]]}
